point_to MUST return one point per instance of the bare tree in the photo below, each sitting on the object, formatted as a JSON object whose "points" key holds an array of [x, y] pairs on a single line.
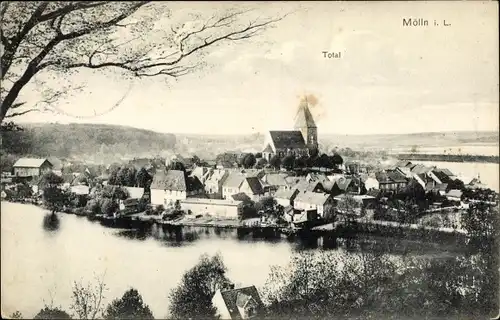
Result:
{"points": [[88, 300], [49, 39]]}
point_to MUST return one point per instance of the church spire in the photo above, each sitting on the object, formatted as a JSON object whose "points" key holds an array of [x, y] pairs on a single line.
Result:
{"points": [[304, 118]]}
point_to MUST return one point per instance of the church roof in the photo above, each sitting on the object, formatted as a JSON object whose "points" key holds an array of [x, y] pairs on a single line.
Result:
{"points": [[288, 139], [304, 117]]}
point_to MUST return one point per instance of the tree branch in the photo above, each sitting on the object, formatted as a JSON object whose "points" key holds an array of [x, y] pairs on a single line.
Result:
{"points": [[20, 113]]}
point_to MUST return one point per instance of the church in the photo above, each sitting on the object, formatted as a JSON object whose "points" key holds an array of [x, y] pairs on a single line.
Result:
{"points": [[296, 142]]}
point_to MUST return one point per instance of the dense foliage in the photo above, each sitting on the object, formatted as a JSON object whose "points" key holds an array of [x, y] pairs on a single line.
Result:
{"points": [[192, 299], [129, 306], [52, 313], [89, 140]]}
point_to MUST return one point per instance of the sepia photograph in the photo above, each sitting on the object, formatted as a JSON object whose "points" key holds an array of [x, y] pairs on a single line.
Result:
{"points": [[249, 160]]}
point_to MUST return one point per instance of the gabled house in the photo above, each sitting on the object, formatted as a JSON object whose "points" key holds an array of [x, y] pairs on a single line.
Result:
{"points": [[350, 185], [237, 182], [173, 185], [31, 167], [275, 181], [285, 197], [307, 200], [202, 173], [213, 184], [241, 303]]}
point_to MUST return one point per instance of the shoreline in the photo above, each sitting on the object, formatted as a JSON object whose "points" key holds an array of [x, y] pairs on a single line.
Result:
{"points": [[447, 158]]}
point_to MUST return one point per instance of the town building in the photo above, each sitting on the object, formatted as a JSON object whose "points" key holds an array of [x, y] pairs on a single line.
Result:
{"points": [[31, 167], [295, 142], [285, 197], [238, 182], [169, 187], [307, 200], [213, 184], [217, 207], [241, 303]]}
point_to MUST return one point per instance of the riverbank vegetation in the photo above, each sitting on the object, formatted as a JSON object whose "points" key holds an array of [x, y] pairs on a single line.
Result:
{"points": [[447, 157]]}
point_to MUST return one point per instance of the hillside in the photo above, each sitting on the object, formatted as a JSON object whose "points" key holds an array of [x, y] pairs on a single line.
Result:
{"points": [[109, 143], [95, 143]]}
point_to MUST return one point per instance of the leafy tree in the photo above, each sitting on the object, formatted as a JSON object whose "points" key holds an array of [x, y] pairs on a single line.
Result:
{"points": [[53, 196], [42, 39], [481, 223], [288, 162], [196, 160], [456, 184], [258, 155], [192, 299], [129, 306], [177, 165], [108, 206], [248, 160], [275, 162], [261, 163], [313, 153], [337, 159], [301, 162], [143, 178], [52, 313]]}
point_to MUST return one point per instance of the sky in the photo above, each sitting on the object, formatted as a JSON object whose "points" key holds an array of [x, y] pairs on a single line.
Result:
{"points": [[389, 78]]}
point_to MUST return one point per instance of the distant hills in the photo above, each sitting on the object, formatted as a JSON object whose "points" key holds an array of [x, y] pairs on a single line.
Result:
{"points": [[108, 143]]}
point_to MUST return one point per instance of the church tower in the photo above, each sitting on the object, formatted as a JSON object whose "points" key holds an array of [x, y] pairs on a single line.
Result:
{"points": [[304, 122]]}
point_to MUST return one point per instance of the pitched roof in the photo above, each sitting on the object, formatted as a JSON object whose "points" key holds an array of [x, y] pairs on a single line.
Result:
{"points": [[255, 185], [402, 163], [172, 180], [276, 179], [268, 148], [291, 139], [31, 162], [234, 180], [382, 177], [230, 298], [241, 197], [312, 197], [304, 117], [344, 183], [447, 172], [441, 175], [307, 186], [420, 168], [193, 183], [396, 176], [286, 194]]}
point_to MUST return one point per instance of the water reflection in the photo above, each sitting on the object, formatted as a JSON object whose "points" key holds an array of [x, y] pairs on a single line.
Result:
{"points": [[51, 222]]}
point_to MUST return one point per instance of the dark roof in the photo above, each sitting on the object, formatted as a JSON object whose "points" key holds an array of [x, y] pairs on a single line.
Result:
{"points": [[343, 183], [307, 186], [288, 139], [382, 177], [304, 117], [396, 176], [172, 180], [255, 185], [230, 298], [241, 196], [441, 175], [194, 183], [402, 163], [446, 172]]}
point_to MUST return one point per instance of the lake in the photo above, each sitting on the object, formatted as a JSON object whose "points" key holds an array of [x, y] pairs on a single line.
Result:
{"points": [[38, 264]]}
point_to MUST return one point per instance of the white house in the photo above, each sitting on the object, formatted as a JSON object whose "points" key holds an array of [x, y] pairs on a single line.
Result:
{"points": [[307, 200], [171, 186], [242, 303], [285, 197], [237, 182]]}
